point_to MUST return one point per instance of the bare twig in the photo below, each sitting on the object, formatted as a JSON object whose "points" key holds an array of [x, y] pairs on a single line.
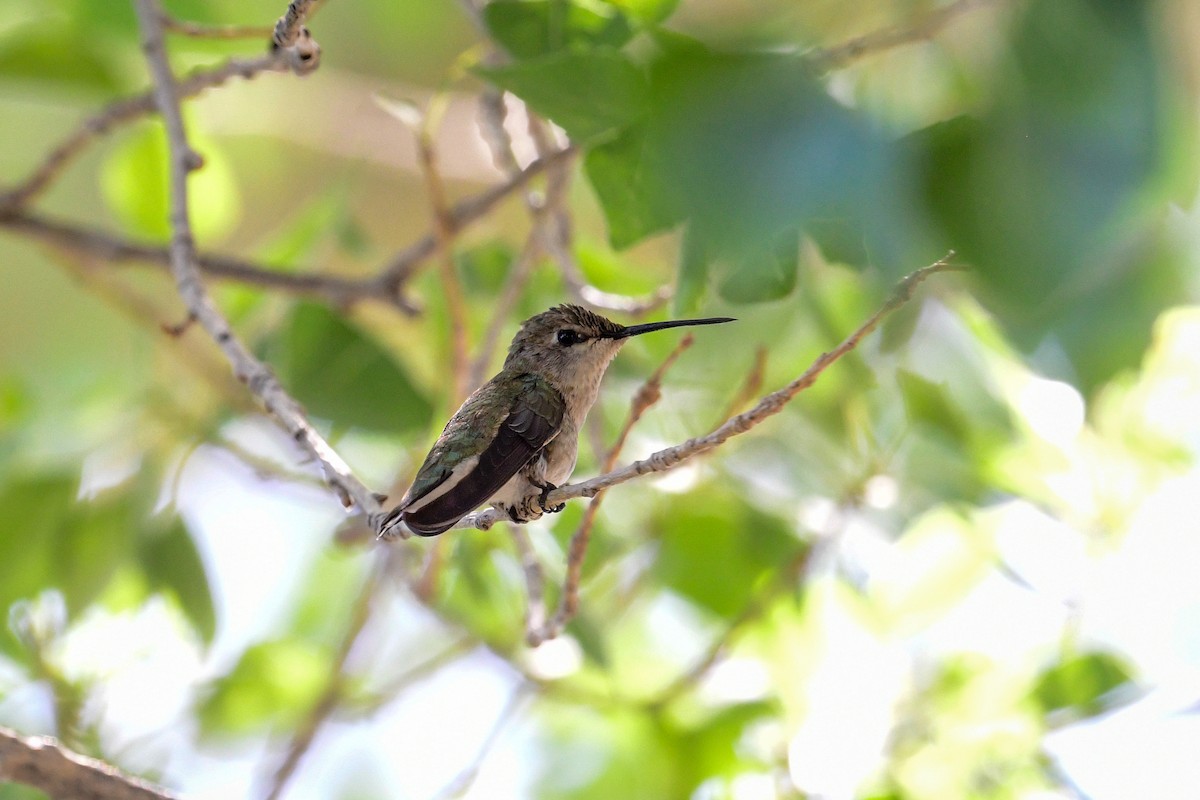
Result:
{"points": [[923, 28], [338, 290], [751, 386], [753, 610], [396, 272], [327, 703], [568, 604], [293, 39], [767, 406], [461, 783], [445, 232], [124, 111], [252, 372], [199, 30], [535, 583], [540, 212], [40, 762]]}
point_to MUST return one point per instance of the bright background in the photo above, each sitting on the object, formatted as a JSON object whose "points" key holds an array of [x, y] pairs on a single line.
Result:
{"points": [[961, 566]]}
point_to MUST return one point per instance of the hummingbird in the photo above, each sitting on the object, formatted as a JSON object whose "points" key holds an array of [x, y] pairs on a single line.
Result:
{"points": [[516, 438]]}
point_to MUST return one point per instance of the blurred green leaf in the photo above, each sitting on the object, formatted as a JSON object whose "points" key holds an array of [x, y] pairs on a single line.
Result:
{"points": [[589, 755], [629, 188], [928, 403], [483, 586], [1045, 192], [134, 184], [714, 549], [339, 373], [272, 686], [15, 791], [1081, 683], [58, 52], [763, 273], [711, 748], [56, 542], [647, 11], [172, 565], [588, 93], [485, 266], [532, 28]]}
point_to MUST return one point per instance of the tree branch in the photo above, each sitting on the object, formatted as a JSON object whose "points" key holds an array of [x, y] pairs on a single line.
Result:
{"points": [[925, 27], [337, 290], [124, 111], [40, 762], [768, 406], [248, 369]]}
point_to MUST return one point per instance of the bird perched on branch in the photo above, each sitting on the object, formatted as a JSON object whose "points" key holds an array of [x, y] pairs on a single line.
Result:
{"points": [[517, 437]]}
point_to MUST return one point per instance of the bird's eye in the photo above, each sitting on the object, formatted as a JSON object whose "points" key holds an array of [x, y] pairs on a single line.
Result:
{"points": [[567, 337]]}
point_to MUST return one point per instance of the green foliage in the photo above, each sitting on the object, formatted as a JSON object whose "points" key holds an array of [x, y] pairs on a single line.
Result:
{"points": [[1083, 685], [532, 28], [1050, 143], [341, 374], [134, 183], [272, 686], [616, 90], [172, 566], [714, 536], [77, 547]]}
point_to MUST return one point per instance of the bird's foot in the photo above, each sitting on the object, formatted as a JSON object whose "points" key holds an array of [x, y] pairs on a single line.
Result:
{"points": [[547, 488]]}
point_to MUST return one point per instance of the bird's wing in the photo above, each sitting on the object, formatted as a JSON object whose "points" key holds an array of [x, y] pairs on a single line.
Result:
{"points": [[533, 419]]}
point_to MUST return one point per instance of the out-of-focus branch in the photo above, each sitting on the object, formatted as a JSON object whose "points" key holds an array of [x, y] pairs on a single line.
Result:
{"points": [[197, 30], [253, 373], [338, 290], [766, 407], [123, 111], [40, 762], [327, 703], [396, 272], [923, 28], [461, 783], [445, 232], [293, 40], [568, 605], [754, 610]]}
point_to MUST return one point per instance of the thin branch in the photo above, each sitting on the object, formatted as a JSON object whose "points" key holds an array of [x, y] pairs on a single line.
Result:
{"points": [[124, 111], [461, 783], [753, 610], [40, 762], [535, 583], [198, 30], [922, 29], [327, 703], [541, 211], [568, 605], [293, 39], [337, 290], [400, 267], [767, 407], [261, 382], [445, 232], [751, 386]]}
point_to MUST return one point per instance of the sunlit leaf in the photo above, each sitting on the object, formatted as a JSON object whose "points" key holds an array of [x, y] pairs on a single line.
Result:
{"points": [[134, 182], [271, 686], [1082, 683], [532, 28], [714, 550], [171, 564], [588, 93]]}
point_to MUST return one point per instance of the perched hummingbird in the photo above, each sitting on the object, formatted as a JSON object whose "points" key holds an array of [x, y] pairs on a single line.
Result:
{"points": [[516, 438]]}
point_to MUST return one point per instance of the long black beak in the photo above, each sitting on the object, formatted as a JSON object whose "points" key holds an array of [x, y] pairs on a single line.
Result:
{"points": [[647, 327]]}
